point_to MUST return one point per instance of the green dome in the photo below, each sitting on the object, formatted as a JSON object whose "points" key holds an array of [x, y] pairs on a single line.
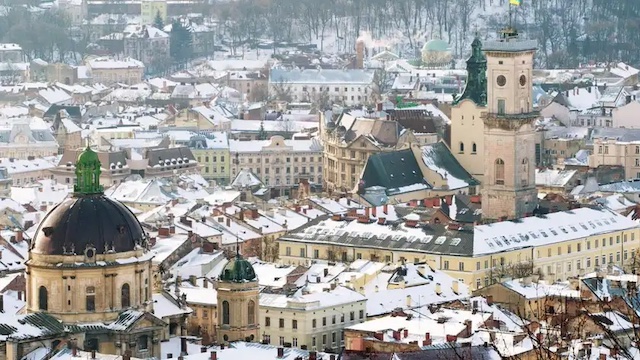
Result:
{"points": [[436, 45], [88, 157], [238, 270]]}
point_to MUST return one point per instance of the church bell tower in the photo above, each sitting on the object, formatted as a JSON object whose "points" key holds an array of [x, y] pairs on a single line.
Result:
{"points": [[509, 190]]}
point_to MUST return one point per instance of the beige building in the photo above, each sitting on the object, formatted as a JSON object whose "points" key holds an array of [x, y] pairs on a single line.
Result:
{"points": [[30, 170], [252, 84], [146, 44], [23, 138], [109, 71], [614, 152], [311, 320], [559, 246], [64, 172], [509, 134], [349, 141], [278, 162], [149, 9], [238, 294]]}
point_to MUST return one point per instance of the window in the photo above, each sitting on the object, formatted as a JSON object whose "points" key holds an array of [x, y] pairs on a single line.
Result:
{"points": [[43, 298], [324, 321], [281, 341], [205, 314], [524, 175], [225, 312], [499, 171], [294, 324], [333, 337], [267, 321], [461, 266], [295, 342], [352, 315], [281, 323], [461, 147], [324, 339], [313, 341], [474, 148], [124, 296], [314, 323], [143, 342], [361, 314], [251, 312], [333, 320], [501, 106], [446, 264], [90, 300]]}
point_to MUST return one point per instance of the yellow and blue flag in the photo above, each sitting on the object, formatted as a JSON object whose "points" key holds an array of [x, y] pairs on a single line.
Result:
{"points": [[515, 2]]}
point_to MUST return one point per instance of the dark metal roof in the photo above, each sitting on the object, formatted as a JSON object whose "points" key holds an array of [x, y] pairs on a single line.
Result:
{"points": [[392, 170], [79, 222]]}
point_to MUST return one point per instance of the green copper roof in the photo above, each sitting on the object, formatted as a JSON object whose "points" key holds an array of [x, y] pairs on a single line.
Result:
{"points": [[88, 173], [476, 88], [436, 45], [238, 270]]}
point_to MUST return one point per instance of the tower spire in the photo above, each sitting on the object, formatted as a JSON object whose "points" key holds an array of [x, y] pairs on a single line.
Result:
{"points": [[88, 172]]}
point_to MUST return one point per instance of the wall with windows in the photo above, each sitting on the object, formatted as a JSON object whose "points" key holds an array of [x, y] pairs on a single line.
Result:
{"points": [[558, 261], [214, 164], [467, 138], [315, 328], [84, 294], [613, 152]]}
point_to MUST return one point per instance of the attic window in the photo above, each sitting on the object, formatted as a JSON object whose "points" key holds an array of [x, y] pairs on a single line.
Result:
{"points": [[455, 241], [544, 233]]}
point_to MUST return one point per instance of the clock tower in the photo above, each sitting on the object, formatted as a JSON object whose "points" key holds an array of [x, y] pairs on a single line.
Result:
{"points": [[509, 189]]}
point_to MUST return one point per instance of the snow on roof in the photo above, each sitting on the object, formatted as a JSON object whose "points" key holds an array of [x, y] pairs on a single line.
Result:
{"points": [[429, 155], [582, 99], [164, 304], [312, 297], [233, 64], [624, 71], [232, 231], [165, 246], [19, 166], [238, 125], [615, 202], [103, 63], [553, 177], [294, 145], [288, 218], [540, 289], [55, 96], [549, 229], [172, 346], [67, 354], [322, 76], [335, 207], [270, 274], [200, 295], [246, 179], [439, 324], [50, 194], [220, 196], [14, 111], [250, 351]]}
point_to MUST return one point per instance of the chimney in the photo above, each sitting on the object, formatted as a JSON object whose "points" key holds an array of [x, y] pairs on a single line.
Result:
{"points": [[449, 199], [214, 356], [384, 209], [428, 203], [189, 234], [408, 301], [205, 283], [366, 212], [438, 289], [163, 231], [2, 302], [254, 213], [427, 339], [19, 236], [489, 300], [229, 222], [359, 54], [241, 215], [313, 355], [183, 345], [455, 286], [396, 335], [192, 281], [374, 211], [20, 295], [539, 337], [436, 202], [379, 336], [382, 220], [405, 333], [280, 352], [452, 338], [172, 229], [468, 327], [603, 356]]}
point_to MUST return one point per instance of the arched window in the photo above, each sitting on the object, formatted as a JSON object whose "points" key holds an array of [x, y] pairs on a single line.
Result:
{"points": [[225, 312], [474, 148], [124, 296], [251, 309], [499, 172], [461, 147], [524, 172], [43, 298]]}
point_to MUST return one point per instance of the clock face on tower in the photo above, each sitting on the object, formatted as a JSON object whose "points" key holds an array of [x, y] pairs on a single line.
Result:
{"points": [[523, 80], [501, 80]]}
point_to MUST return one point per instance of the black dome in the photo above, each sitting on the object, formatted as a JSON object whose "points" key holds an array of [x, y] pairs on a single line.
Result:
{"points": [[78, 222]]}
